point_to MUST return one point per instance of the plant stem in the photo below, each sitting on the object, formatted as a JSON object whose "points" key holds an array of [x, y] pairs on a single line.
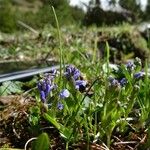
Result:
{"points": [[95, 49], [108, 140], [107, 57], [67, 145], [60, 43]]}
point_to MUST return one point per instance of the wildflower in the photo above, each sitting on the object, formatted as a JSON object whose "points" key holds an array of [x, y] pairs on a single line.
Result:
{"points": [[130, 66], [64, 94], [60, 106], [71, 71], [80, 85], [137, 61], [114, 82], [45, 86], [139, 75], [42, 96], [50, 76], [123, 81], [53, 72]]}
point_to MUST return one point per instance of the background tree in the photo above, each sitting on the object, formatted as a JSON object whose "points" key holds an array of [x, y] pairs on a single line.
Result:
{"points": [[97, 15], [37, 13], [133, 6], [147, 10]]}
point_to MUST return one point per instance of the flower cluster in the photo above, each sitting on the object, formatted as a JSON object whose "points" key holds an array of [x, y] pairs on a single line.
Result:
{"points": [[133, 65], [139, 75], [130, 66], [74, 73], [63, 94], [123, 82], [71, 71], [116, 82], [45, 86]]}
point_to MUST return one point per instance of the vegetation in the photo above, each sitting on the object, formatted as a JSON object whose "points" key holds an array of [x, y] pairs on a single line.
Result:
{"points": [[39, 13], [97, 97], [88, 105], [36, 14]]}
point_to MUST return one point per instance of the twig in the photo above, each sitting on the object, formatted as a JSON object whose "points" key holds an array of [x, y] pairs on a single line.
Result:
{"points": [[14, 121], [14, 130], [141, 141], [28, 27], [47, 128], [126, 142], [121, 141]]}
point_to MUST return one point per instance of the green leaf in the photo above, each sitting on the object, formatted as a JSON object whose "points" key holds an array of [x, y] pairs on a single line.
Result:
{"points": [[10, 87], [65, 133], [52, 120], [42, 142], [34, 115]]}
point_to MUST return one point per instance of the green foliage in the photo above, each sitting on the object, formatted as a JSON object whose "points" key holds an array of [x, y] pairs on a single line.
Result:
{"points": [[8, 16], [129, 5], [77, 15], [34, 117], [9, 87], [98, 16], [108, 110], [42, 142], [147, 11], [132, 6], [11, 13], [100, 112]]}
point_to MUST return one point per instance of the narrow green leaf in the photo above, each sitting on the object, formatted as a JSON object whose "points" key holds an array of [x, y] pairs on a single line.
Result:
{"points": [[52, 120], [42, 143], [66, 133]]}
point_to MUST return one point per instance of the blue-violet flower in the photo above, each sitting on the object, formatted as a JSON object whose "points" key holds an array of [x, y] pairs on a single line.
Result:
{"points": [[139, 75], [60, 106], [80, 84], [130, 66], [123, 81], [71, 71], [64, 94], [114, 82], [45, 86]]}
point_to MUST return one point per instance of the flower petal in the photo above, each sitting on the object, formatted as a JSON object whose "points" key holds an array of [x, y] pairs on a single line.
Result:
{"points": [[64, 93]]}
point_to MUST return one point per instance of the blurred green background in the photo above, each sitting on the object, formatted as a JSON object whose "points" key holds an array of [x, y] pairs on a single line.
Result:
{"points": [[38, 13]]}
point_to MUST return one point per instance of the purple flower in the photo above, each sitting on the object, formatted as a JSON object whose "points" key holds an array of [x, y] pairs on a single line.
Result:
{"points": [[53, 72], [80, 84], [71, 71], [114, 82], [123, 81], [130, 66], [45, 86], [64, 94], [42, 96], [60, 106], [137, 61], [139, 75]]}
